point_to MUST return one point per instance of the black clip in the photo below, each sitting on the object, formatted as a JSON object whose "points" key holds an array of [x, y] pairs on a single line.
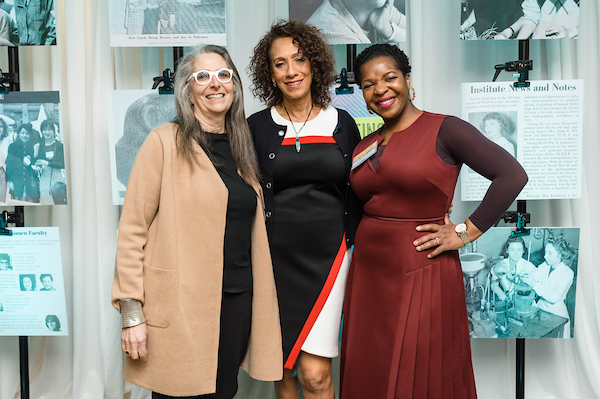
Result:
{"points": [[344, 88], [6, 78], [3, 221], [167, 80], [521, 67], [521, 219]]}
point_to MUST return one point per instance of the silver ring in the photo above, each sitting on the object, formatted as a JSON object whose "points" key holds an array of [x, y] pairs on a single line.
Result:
{"points": [[438, 240]]}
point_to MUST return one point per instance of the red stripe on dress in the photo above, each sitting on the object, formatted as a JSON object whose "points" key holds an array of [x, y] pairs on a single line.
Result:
{"points": [[319, 304], [308, 140]]}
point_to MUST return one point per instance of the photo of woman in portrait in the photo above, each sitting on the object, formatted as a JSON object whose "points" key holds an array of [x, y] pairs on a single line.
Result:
{"points": [[496, 127], [52, 323], [47, 282], [27, 282], [5, 262]]}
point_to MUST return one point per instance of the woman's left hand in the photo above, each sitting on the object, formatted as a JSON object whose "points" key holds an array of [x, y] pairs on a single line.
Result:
{"points": [[442, 238], [381, 18]]}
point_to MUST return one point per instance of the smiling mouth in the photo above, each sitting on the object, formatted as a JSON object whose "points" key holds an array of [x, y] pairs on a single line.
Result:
{"points": [[295, 83], [386, 102], [215, 96]]}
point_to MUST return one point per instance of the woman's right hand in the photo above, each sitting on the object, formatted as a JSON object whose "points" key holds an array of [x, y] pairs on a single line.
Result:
{"points": [[133, 339]]}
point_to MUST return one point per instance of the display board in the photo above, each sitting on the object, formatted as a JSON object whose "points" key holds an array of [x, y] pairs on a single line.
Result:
{"points": [[521, 286], [353, 22], [132, 114], [178, 23], [32, 291], [541, 125], [519, 20], [32, 149]]}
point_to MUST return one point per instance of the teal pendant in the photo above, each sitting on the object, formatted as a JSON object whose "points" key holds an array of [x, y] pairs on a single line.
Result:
{"points": [[297, 144]]}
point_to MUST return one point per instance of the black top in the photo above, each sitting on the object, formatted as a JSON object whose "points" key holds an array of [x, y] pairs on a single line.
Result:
{"points": [[268, 137], [241, 208]]}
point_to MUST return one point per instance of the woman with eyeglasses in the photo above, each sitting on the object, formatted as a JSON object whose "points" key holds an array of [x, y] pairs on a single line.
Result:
{"points": [[193, 279], [304, 148]]}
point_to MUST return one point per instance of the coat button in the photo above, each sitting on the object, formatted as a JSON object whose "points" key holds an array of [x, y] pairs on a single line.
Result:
{"points": [[281, 133], [272, 155], [268, 214], [268, 185], [345, 155]]}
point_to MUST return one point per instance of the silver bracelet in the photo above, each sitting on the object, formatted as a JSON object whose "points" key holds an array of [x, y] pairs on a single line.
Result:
{"points": [[389, 39], [131, 311]]}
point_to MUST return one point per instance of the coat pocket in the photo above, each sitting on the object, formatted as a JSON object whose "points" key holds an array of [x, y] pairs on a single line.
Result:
{"points": [[159, 296]]}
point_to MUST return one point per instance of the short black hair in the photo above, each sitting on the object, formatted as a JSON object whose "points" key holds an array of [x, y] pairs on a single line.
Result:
{"points": [[381, 50]]}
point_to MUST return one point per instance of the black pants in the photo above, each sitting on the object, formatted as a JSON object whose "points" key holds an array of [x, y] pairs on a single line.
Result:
{"points": [[236, 313]]}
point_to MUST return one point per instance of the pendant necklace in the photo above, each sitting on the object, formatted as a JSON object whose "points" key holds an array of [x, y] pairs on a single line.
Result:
{"points": [[302, 127]]}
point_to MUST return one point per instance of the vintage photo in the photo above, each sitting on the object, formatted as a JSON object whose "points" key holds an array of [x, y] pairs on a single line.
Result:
{"points": [[132, 114], [27, 23], [528, 19], [32, 156], [540, 125], [521, 286], [140, 23], [354, 21]]}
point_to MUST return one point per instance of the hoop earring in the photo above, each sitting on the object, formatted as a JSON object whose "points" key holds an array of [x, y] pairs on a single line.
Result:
{"points": [[413, 95], [370, 110]]}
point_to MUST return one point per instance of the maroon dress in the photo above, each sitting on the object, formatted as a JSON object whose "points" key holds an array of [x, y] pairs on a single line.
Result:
{"points": [[405, 332]]}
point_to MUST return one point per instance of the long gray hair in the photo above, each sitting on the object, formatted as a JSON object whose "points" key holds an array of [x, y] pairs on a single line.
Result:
{"points": [[240, 138]]}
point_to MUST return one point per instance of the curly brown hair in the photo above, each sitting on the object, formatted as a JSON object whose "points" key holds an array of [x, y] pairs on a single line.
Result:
{"points": [[312, 43]]}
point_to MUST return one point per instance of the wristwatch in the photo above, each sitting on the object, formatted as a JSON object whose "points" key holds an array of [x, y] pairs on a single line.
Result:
{"points": [[461, 231]]}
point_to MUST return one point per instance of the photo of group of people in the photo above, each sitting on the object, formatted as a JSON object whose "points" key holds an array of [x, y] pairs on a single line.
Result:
{"points": [[32, 292], [522, 285], [32, 157], [528, 19], [166, 22], [27, 23]]}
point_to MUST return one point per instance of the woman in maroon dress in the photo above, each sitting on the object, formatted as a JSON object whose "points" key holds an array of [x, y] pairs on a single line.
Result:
{"points": [[405, 331]]}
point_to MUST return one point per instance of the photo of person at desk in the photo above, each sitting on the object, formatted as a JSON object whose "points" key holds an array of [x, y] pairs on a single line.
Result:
{"points": [[552, 280]]}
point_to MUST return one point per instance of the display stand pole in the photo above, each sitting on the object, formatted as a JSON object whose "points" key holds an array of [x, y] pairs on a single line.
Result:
{"points": [[521, 209], [177, 56], [19, 216], [350, 57]]}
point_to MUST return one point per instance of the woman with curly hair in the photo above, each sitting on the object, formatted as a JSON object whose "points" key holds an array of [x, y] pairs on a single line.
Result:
{"points": [[304, 149]]}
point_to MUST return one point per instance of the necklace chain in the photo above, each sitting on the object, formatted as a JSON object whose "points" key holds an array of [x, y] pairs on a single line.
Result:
{"points": [[301, 127]]}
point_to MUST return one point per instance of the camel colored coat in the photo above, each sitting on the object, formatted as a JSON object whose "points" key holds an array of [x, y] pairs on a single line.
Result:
{"points": [[170, 258]]}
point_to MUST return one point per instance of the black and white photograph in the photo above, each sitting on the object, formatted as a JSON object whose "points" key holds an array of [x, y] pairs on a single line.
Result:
{"points": [[32, 156], [519, 19], [27, 23], [499, 127], [521, 285], [158, 23], [132, 114], [354, 21], [27, 282], [5, 264]]}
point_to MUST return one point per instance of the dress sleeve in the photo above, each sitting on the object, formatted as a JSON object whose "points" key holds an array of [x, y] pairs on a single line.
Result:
{"points": [[460, 142]]}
